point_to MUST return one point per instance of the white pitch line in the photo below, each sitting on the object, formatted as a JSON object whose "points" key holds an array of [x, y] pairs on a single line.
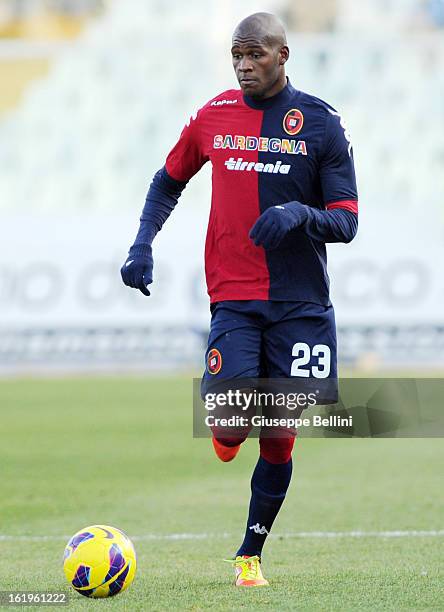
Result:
{"points": [[364, 534], [434, 533]]}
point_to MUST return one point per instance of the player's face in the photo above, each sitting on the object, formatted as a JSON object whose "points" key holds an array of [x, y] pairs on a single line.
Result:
{"points": [[258, 67]]}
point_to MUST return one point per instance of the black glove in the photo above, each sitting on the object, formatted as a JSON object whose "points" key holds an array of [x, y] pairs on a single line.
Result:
{"points": [[275, 223], [137, 271]]}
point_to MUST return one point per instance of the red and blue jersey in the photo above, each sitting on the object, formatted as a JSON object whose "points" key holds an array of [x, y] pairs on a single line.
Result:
{"points": [[291, 147]]}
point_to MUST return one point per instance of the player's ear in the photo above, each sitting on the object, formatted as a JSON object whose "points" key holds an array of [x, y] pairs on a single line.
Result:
{"points": [[284, 54]]}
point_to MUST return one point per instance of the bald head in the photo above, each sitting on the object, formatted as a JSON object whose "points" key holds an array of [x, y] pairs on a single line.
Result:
{"points": [[259, 52], [261, 27]]}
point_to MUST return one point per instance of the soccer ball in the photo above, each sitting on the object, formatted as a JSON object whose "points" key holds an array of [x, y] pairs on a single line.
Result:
{"points": [[99, 561]]}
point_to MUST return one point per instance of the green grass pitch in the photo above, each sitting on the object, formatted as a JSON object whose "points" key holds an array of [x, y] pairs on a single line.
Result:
{"points": [[120, 452]]}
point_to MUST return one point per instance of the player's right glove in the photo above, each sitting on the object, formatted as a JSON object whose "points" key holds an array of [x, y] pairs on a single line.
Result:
{"points": [[275, 223], [137, 271]]}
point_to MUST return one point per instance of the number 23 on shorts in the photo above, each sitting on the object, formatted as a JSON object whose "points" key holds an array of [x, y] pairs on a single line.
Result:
{"points": [[303, 355]]}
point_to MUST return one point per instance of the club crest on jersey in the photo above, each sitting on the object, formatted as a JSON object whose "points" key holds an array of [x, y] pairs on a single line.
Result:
{"points": [[293, 122], [214, 361]]}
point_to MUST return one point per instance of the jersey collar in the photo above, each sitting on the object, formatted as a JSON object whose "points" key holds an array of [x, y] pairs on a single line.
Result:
{"points": [[280, 99]]}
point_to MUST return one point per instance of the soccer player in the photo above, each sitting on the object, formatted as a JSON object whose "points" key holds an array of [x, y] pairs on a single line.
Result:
{"points": [[283, 186]]}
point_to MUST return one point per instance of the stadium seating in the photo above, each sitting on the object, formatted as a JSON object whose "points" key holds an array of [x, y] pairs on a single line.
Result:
{"points": [[88, 136], [128, 87]]}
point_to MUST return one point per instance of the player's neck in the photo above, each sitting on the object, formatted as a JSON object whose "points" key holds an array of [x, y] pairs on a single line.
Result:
{"points": [[277, 96], [280, 84]]}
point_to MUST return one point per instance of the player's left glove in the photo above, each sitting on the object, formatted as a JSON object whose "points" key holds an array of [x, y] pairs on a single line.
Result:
{"points": [[275, 223], [137, 271]]}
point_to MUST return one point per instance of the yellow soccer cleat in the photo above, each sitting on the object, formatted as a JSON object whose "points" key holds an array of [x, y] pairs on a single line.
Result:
{"points": [[248, 571]]}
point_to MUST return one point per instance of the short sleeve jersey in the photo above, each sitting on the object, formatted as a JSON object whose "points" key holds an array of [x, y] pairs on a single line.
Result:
{"points": [[290, 147]]}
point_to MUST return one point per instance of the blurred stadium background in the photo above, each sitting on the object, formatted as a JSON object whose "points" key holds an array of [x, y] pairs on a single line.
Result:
{"points": [[94, 94]]}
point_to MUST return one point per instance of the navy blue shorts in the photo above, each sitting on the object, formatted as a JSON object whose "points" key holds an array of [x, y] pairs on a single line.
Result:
{"points": [[267, 339]]}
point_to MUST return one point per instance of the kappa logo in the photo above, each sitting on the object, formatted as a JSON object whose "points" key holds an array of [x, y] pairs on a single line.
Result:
{"points": [[257, 529], [293, 122], [344, 127], [214, 361], [241, 166], [222, 102]]}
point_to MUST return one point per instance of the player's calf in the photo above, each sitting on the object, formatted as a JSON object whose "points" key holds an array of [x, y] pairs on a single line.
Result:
{"points": [[269, 485]]}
